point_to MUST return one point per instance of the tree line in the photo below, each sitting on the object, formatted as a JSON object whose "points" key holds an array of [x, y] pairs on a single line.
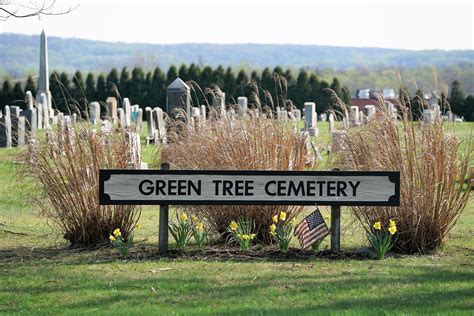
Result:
{"points": [[149, 88]]}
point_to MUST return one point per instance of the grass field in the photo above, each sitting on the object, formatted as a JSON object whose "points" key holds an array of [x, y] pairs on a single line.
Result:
{"points": [[39, 274]]}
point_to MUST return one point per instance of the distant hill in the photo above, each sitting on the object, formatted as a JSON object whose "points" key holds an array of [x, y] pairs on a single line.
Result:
{"points": [[19, 55]]}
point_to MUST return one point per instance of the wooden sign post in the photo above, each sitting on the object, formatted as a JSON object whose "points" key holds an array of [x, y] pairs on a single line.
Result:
{"points": [[243, 187]]}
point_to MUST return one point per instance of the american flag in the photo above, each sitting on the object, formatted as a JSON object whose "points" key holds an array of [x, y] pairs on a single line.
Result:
{"points": [[311, 229]]}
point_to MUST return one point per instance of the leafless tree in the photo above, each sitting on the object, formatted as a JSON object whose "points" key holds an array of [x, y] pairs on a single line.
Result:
{"points": [[26, 9]]}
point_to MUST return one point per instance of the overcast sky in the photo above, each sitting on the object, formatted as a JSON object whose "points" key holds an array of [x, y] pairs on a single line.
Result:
{"points": [[408, 24]]}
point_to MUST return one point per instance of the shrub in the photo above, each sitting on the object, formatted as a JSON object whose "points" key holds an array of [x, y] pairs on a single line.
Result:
{"points": [[241, 144], [66, 170], [433, 165]]}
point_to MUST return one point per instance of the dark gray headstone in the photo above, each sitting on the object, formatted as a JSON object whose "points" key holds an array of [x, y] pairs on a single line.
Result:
{"points": [[178, 96], [18, 131]]}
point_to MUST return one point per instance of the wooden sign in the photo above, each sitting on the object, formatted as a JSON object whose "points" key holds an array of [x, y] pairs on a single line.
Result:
{"points": [[206, 187]]}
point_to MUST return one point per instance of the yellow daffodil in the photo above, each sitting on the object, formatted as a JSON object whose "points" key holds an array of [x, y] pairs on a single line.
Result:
{"points": [[392, 223], [283, 216], [193, 217], [117, 232], [377, 225], [275, 218], [233, 225], [252, 236], [392, 229], [184, 217], [112, 238], [138, 226], [245, 237], [200, 226], [272, 233], [273, 227]]}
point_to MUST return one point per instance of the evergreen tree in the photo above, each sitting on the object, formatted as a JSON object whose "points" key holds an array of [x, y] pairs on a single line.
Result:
{"points": [[469, 108], [218, 77], [183, 72], [101, 90], [157, 91], [324, 97], [137, 86], [78, 87], [267, 80], [230, 84], [18, 95], [303, 89], [7, 93], [346, 95], [206, 77], [91, 93], [124, 83], [171, 75], [30, 86], [63, 100], [112, 82], [457, 99], [241, 83], [417, 105], [194, 73]]}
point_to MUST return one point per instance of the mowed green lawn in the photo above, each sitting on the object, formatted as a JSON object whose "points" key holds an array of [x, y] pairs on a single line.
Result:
{"points": [[40, 275]]}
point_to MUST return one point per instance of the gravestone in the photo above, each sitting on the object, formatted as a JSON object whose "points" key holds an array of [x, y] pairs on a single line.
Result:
{"points": [[94, 113], [203, 112], [160, 133], [31, 120], [62, 131], [354, 116], [127, 113], [121, 118], [242, 103], [74, 118], [150, 123], [284, 115], [15, 110], [311, 118], [111, 106], [45, 110], [369, 111], [297, 114], [134, 113], [18, 131], [106, 126], [139, 121], [69, 128], [6, 128], [345, 119], [338, 139], [392, 111], [39, 116], [219, 103], [178, 98], [331, 123]]}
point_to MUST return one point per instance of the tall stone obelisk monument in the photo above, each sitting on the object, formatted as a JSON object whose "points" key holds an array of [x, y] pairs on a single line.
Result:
{"points": [[43, 81]]}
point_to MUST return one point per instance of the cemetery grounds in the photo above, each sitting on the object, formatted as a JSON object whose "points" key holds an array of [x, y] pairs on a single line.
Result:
{"points": [[40, 275]]}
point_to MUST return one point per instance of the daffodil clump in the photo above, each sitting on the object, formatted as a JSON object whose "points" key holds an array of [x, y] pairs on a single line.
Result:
{"points": [[199, 233], [282, 230], [242, 232], [123, 246], [181, 230], [381, 239]]}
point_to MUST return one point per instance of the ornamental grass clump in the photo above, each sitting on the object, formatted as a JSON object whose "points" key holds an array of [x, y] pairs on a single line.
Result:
{"points": [[238, 143], [65, 170], [242, 232], [433, 164], [282, 230]]}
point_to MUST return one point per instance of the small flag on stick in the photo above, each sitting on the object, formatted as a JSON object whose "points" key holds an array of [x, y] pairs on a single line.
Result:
{"points": [[311, 229]]}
